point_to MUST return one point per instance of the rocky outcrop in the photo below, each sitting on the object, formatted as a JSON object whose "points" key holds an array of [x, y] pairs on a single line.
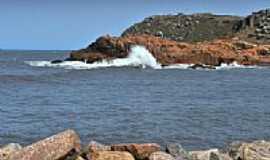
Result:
{"points": [[187, 28], [168, 52], [205, 27], [205, 40]]}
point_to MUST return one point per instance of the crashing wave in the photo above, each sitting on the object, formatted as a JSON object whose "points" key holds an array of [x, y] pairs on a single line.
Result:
{"points": [[138, 57]]}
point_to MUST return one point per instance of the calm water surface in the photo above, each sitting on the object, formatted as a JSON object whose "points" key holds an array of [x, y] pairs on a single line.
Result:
{"points": [[197, 108]]}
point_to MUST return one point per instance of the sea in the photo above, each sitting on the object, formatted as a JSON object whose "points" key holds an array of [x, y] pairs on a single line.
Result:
{"points": [[133, 99]]}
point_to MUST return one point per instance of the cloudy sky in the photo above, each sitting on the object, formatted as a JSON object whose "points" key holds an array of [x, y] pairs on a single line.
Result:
{"points": [[72, 24]]}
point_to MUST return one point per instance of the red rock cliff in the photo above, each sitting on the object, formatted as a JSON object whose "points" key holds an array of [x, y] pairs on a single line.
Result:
{"points": [[171, 52]]}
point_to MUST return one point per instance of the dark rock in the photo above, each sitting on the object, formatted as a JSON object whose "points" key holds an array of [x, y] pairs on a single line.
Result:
{"points": [[200, 66], [56, 61]]}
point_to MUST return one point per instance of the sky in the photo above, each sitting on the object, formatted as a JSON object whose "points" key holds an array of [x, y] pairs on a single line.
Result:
{"points": [[73, 24]]}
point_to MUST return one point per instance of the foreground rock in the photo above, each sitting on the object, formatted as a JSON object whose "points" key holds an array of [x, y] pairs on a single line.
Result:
{"points": [[168, 52], [212, 154], [111, 155], [177, 151], [52, 148], [139, 151], [8, 150], [258, 150], [161, 156]]}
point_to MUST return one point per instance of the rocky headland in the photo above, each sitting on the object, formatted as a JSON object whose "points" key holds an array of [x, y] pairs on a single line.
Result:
{"points": [[67, 146], [199, 39]]}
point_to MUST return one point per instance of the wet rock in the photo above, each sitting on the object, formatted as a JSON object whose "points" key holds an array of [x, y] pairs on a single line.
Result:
{"points": [[177, 151], [111, 155], [200, 66], [161, 156], [56, 61], [52, 148], [139, 151], [9, 149]]}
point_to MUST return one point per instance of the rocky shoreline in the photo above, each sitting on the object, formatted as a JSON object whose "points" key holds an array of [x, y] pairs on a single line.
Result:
{"points": [[204, 40], [67, 146]]}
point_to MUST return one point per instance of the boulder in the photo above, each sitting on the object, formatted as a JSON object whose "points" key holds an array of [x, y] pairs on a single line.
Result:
{"points": [[52, 148], [139, 151], [95, 146], [111, 155], [234, 149], [161, 156], [212, 154], [258, 150], [177, 151], [9, 149]]}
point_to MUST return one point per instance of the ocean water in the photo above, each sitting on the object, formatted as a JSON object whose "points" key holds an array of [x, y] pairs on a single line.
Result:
{"points": [[112, 104]]}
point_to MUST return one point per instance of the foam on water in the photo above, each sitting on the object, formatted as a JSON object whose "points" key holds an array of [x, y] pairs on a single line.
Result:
{"points": [[138, 57], [234, 65]]}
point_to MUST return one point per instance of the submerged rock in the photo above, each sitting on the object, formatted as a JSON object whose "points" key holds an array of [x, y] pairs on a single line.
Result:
{"points": [[56, 61]]}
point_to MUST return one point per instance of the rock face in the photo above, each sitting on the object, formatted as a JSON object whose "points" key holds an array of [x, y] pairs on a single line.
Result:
{"points": [[187, 28], [201, 27], [140, 151], [52, 148], [171, 52], [256, 27]]}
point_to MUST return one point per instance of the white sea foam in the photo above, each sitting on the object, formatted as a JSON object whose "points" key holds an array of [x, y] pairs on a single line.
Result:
{"points": [[178, 66], [234, 65], [138, 57]]}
